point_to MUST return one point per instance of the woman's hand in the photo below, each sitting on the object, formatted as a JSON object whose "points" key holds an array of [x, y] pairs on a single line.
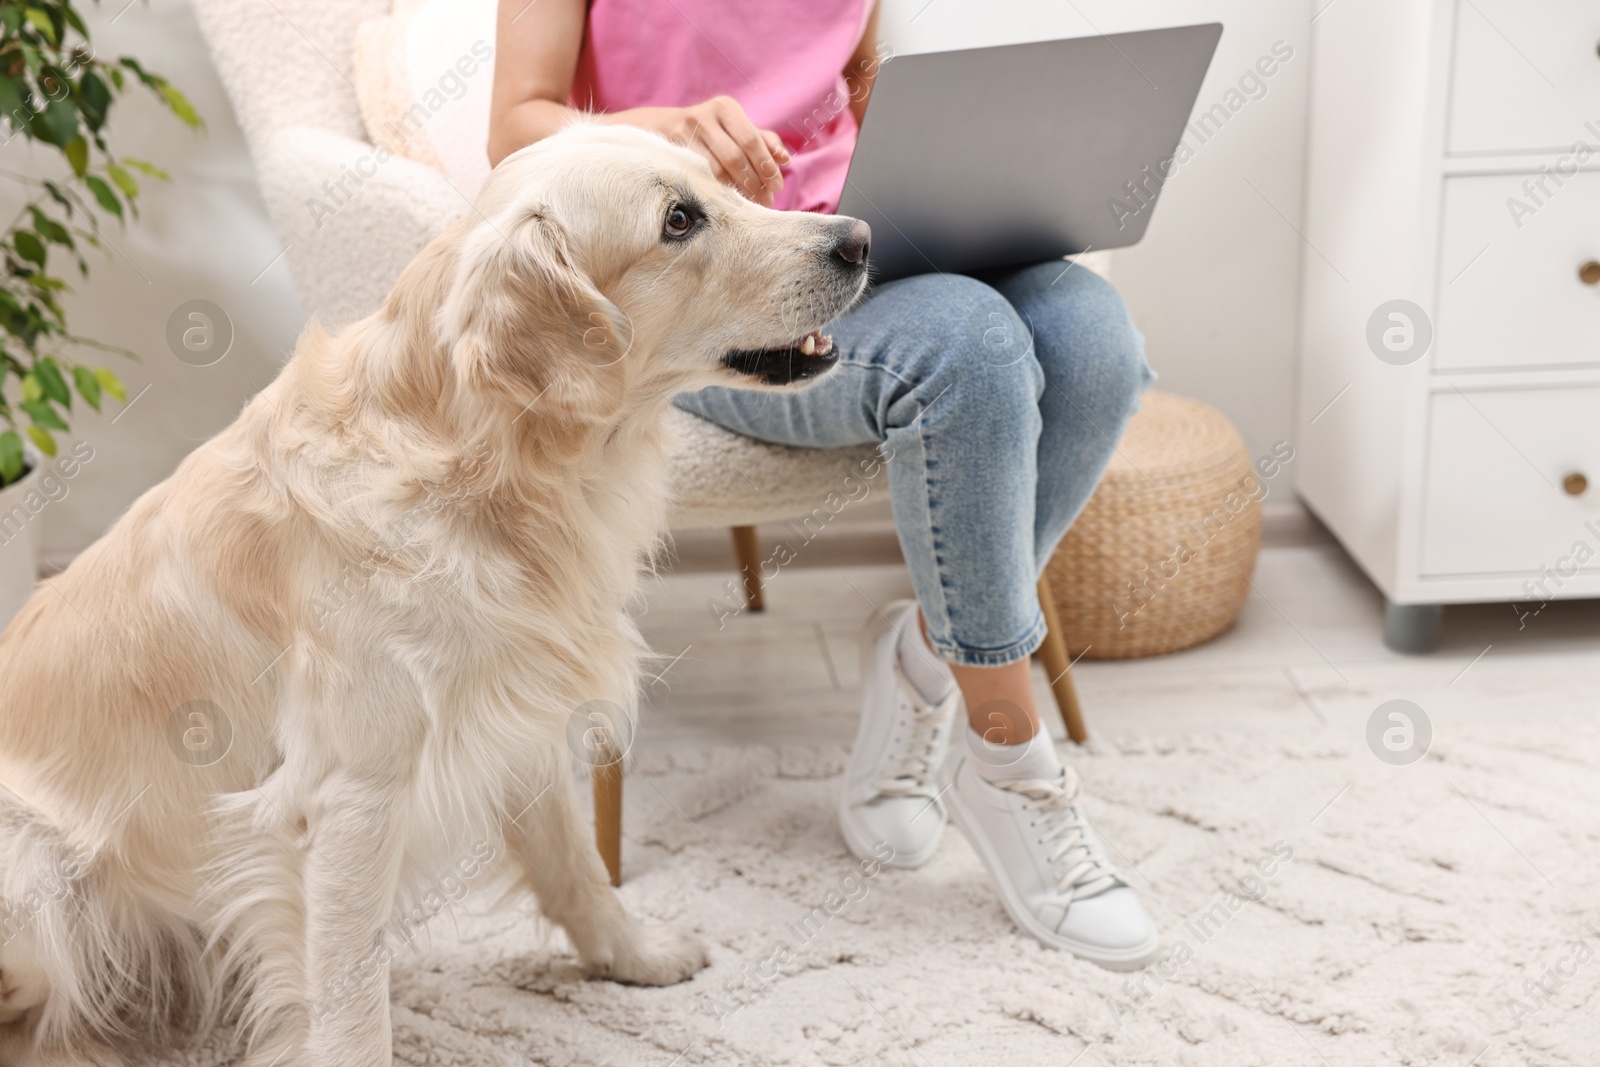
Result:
{"points": [[741, 154]]}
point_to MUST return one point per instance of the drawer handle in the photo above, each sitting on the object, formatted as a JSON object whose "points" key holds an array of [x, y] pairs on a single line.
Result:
{"points": [[1575, 483], [1589, 273]]}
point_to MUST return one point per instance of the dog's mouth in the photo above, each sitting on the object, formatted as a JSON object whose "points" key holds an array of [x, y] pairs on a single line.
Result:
{"points": [[797, 361]]}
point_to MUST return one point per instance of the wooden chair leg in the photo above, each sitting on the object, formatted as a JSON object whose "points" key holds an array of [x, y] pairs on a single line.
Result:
{"points": [[608, 817], [1058, 666], [747, 548]]}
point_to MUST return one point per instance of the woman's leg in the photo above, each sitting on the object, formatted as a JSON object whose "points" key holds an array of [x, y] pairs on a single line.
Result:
{"points": [[1028, 382], [1092, 361], [1094, 370], [939, 369], [1010, 794], [942, 370]]}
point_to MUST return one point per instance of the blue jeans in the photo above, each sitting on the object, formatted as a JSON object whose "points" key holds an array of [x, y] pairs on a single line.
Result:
{"points": [[1001, 402]]}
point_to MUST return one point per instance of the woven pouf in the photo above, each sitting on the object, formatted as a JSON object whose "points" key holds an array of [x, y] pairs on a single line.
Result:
{"points": [[1162, 555]]}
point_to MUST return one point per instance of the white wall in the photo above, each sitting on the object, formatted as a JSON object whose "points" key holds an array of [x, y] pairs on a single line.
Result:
{"points": [[1213, 285]]}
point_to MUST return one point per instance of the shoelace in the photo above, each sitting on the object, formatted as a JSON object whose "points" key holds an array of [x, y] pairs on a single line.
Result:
{"points": [[1079, 868], [912, 766]]}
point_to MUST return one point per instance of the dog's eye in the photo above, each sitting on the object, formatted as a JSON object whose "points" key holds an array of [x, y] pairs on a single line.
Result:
{"points": [[680, 220]]}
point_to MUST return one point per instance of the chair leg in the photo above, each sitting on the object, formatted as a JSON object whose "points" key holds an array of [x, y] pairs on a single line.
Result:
{"points": [[608, 817], [1058, 666], [747, 548]]}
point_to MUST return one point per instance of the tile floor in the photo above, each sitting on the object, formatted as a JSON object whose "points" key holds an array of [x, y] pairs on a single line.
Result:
{"points": [[1305, 654]]}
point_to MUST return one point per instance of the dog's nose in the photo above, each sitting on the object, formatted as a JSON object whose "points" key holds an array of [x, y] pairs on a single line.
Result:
{"points": [[854, 242]]}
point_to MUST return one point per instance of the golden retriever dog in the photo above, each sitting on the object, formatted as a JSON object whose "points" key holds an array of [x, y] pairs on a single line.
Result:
{"points": [[337, 651]]}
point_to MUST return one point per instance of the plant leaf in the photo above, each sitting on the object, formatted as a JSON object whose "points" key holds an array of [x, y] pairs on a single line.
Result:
{"points": [[180, 105], [46, 443], [148, 169], [96, 99], [56, 91], [56, 124], [43, 414], [10, 101], [54, 385], [59, 197], [77, 152], [29, 247], [123, 180], [41, 22], [11, 459], [111, 384], [88, 385], [103, 194], [49, 228]]}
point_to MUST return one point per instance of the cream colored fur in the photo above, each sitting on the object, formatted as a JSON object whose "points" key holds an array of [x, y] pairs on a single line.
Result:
{"points": [[394, 578]]}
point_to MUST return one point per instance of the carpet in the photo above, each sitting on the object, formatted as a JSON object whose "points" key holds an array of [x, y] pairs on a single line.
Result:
{"points": [[1319, 906]]}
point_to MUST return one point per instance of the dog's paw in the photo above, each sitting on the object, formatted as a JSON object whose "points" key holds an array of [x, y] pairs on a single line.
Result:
{"points": [[656, 955]]}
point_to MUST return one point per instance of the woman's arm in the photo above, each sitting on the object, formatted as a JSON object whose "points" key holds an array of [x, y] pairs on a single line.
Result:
{"points": [[863, 66], [536, 55]]}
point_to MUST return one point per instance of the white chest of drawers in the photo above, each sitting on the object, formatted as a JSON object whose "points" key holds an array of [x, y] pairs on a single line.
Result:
{"points": [[1454, 163]]}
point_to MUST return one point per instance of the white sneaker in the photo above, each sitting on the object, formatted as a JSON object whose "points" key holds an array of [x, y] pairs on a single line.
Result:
{"points": [[1051, 868], [890, 790]]}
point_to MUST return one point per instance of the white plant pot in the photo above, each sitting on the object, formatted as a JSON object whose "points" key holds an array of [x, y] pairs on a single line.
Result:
{"points": [[19, 540]]}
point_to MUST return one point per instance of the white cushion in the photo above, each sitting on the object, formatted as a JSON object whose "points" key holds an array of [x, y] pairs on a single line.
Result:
{"points": [[287, 62], [424, 76], [720, 478]]}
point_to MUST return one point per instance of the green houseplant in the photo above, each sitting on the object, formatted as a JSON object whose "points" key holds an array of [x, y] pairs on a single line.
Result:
{"points": [[55, 91]]}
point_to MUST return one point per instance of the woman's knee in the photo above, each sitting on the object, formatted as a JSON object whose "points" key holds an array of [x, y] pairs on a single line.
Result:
{"points": [[1084, 337], [967, 337]]}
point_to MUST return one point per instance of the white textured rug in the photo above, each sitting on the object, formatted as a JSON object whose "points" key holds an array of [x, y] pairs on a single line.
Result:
{"points": [[1439, 913]]}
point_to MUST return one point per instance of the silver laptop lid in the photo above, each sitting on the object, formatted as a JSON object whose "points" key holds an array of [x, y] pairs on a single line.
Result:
{"points": [[1020, 153]]}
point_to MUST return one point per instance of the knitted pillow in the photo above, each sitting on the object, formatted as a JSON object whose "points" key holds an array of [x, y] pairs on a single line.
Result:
{"points": [[424, 76]]}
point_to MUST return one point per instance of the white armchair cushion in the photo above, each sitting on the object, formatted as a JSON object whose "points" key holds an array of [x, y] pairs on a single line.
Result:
{"points": [[287, 62], [424, 77], [720, 478], [350, 215]]}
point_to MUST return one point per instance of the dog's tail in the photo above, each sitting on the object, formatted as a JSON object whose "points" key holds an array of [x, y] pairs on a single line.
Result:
{"points": [[86, 960]]}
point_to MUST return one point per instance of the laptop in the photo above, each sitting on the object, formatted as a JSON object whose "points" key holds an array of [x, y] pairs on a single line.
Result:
{"points": [[990, 157]]}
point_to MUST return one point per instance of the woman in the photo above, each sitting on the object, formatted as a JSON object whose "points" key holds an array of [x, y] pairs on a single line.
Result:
{"points": [[1001, 400]]}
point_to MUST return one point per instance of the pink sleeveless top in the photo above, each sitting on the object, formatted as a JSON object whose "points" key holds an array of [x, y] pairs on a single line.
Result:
{"points": [[783, 60]]}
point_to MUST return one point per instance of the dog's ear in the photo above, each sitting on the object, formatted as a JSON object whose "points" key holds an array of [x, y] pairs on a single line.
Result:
{"points": [[530, 326]]}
